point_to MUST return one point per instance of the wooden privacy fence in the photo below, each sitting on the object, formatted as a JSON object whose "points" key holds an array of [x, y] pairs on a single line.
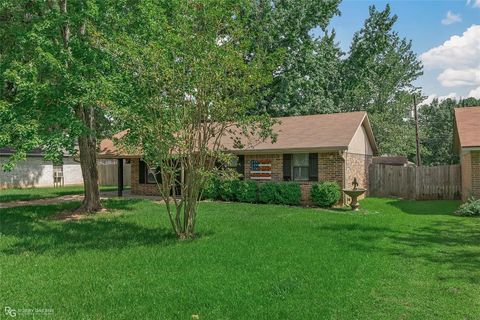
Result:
{"points": [[108, 174], [419, 183]]}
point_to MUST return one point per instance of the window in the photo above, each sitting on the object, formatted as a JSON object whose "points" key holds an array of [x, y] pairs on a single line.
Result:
{"points": [[145, 175], [58, 175], [300, 167], [233, 163], [236, 163], [150, 175]]}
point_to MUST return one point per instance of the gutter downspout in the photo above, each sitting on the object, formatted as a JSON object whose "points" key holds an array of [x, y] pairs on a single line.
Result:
{"points": [[343, 155]]}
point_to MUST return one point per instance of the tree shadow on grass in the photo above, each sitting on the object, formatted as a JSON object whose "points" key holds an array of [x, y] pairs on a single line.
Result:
{"points": [[451, 246], [28, 194], [426, 207], [36, 235]]}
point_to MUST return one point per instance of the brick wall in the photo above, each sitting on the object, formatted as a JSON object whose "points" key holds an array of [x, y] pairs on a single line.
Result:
{"points": [[330, 168], [140, 188], [466, 169], [475, 156], [356, 166], [277, 165]]}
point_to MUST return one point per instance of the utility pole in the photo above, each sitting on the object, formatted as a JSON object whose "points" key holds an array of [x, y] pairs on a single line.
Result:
{"points": [[419, 161]]}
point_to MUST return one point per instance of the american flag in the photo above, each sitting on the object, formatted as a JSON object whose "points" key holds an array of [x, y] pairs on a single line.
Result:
{"points": [[261, 169]]}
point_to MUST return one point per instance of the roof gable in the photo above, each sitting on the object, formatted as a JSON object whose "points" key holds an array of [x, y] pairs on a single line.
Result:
{"points": [[467, 124]]}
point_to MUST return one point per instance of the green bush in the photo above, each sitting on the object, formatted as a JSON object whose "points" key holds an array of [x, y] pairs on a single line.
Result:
{"points": [[469, 208], [247, 191], [228, 189], [289, 193], [211, 190], [268, 192], [280, 193], [325, 194]]}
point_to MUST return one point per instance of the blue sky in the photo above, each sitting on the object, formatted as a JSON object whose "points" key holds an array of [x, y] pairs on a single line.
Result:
{"points": [[426, 23]]}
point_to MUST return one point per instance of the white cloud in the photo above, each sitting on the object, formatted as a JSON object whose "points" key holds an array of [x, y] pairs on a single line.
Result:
{"points": [[475, 93], [430, 98], [451, 18], [460, 77], [457, 62], [458, 51], [474, 3]]}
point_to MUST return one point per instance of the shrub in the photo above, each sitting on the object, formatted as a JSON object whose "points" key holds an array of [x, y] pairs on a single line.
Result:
{"points": [[469, 208], [280, 193], [227, 190], [247, 191], [325, 194], [289, 193], [268, 192], [211, 190]]}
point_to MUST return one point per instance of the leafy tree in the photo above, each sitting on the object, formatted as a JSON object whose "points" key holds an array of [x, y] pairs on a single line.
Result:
{"points": [[380, 66], [436, 127], [57, 79], [194, 81], [394, 129], [307, 78], [377, 78]]}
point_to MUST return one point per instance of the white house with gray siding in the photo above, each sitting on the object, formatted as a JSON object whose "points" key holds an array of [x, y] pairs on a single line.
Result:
{"points": [[36, 172]]}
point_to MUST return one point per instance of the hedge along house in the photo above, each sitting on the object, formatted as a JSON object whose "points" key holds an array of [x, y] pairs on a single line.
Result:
{"points": [[330, 147], [467, 145]]}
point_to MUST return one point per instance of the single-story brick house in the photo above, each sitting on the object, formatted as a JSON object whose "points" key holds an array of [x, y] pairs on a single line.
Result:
{"points": [[467, 144], [329, 147]]}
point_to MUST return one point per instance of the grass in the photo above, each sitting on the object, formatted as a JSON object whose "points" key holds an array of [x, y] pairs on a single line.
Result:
{"points": [[23, 194], [393, 260]]}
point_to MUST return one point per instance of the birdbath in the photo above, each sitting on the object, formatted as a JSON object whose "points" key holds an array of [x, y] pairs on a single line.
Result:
{"points": [[354, 194]]}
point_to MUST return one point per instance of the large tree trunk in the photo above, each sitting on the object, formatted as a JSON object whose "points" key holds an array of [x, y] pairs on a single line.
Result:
{"points": [[87, 144]]}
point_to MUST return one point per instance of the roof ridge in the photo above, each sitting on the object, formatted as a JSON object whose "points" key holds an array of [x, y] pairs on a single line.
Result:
{"points": [[322, 114]]}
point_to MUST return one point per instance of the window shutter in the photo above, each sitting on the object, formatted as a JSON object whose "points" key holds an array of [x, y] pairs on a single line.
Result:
{"points": [[241, 166], [313, 166], [159, 175], [141, 171], [287, 167]]}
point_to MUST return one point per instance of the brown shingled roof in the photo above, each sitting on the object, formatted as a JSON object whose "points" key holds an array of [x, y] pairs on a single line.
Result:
{"points": [[322, 132], [107, 148], [468, 126]]}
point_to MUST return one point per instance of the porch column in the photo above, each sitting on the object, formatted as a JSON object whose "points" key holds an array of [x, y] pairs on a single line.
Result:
{"points": [[120, 177]]}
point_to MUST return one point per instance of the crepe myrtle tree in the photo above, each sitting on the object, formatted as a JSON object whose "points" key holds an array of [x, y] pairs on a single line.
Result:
{"points": [[193, 87]]}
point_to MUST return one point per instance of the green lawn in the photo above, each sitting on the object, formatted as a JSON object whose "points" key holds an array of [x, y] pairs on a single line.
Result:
{"points": [[23, 194], [393, 260]]}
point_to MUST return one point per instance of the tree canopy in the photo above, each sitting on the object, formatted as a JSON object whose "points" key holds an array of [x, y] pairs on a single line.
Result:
{"points": [[192, 86], [436, 130], [58, 80]]}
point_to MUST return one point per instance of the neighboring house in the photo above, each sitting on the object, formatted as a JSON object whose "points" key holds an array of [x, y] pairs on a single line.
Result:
{"points": [[467, 144], [36, 172], [331, 147], [399, 161]]}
